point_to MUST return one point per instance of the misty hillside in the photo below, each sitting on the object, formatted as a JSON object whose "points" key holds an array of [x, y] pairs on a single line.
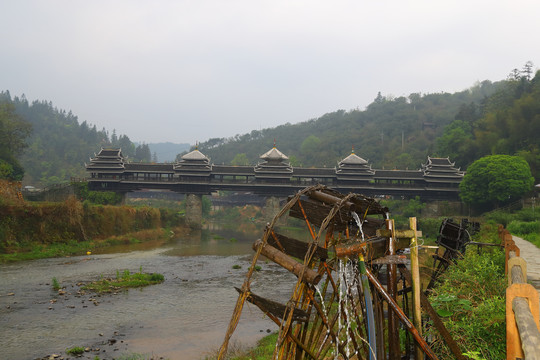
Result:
{"points": [[391, 132], [400, 133]]}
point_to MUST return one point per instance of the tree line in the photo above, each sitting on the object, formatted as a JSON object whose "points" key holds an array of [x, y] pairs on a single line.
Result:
{"points": [[47, 145]]}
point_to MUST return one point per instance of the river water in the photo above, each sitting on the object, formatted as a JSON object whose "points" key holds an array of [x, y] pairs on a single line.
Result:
{"points": [[185, 317]]}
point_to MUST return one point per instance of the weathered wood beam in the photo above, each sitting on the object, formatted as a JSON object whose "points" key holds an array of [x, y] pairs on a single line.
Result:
{"points": [[528, 330], [309, 275], [274, 308], [400, 234], [391, 259]]}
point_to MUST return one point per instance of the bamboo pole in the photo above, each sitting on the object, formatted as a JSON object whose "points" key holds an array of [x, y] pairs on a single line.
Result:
{"points": [[393, 322], [416, 286]]}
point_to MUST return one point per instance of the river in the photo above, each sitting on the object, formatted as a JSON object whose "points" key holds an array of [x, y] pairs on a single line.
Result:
{"points": [[185, 317]]}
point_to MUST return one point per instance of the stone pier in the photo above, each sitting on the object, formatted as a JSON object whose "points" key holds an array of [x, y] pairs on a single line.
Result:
{"points": [[271, 208], [194, 211]]}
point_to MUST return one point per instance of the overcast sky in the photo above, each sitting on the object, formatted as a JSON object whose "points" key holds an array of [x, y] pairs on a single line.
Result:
{"points": [[186, 71]]}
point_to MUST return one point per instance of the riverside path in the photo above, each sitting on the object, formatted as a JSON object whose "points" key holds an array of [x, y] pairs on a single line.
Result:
{"points": [[531, 254]]}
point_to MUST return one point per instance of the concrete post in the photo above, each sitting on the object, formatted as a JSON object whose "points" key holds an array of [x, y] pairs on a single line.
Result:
{"points": [[194, 211]]}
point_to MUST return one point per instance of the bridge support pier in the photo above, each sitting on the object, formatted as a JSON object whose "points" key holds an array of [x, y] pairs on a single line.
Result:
{"points": [[271, 208], [194, 211]]}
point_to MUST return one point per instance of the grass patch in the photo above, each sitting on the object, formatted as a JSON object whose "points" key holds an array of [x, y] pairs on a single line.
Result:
{"points": [[55, 284], [76, 350], [262, 351], [124, 280], [236, 266]]}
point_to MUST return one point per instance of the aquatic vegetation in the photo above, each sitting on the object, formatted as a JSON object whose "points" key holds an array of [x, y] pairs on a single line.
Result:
{"points": [[124, 280], [55, 284], [76, 350]]}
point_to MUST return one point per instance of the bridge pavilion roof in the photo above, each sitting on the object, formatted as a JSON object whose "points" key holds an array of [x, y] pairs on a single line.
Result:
{"points": [[194, 163], [352, 167], [353, 159], [108, 160], [274, 155], [275, 165], [195, 155], [441, 170]]}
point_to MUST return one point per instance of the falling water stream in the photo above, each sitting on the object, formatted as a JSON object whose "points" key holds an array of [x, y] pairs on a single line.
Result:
{"points": [[183, 318], [349, 279]]}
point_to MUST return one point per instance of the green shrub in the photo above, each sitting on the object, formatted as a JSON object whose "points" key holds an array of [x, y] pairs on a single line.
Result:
{"points": [[524, 227], [429, 227]]}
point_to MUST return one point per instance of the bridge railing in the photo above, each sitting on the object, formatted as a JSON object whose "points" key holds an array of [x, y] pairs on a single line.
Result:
{"points": [[522, 305]]}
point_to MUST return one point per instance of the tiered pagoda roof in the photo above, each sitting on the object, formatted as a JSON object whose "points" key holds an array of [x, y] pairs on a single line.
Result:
{"points": [[275, 165], [441, 170], [353, 167], [194, 163], [107, 161]]}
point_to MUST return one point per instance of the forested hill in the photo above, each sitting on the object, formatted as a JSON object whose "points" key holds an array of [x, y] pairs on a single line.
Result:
{"points": [[391, 132], [58, 145], [400, 132]]}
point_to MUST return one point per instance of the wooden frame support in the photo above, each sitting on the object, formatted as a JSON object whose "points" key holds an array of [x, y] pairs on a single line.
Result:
{"points": [[520, 262], [514, 347]]}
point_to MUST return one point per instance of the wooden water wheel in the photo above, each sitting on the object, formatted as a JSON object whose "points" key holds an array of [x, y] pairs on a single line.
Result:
{"points": [[331, 312]]}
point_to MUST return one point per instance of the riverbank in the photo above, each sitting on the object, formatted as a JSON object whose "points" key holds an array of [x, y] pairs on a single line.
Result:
{"points": [[31, 230], [147, 238]]}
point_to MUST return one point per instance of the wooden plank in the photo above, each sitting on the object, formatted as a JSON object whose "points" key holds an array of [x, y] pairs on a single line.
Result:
{"points": [[400, 234]]}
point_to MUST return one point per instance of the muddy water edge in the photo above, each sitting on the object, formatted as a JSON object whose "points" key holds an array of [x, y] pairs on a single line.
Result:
{"points": [[185, 317]]}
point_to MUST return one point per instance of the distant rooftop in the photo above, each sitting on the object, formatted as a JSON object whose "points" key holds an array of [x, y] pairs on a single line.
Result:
{"points": [[195, 155], [353, 159], [274, 154]]}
